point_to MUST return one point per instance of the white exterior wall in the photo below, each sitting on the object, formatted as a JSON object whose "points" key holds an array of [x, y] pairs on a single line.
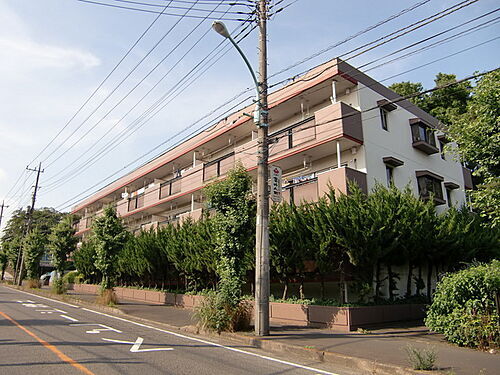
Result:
{"points": [[397, 142]]}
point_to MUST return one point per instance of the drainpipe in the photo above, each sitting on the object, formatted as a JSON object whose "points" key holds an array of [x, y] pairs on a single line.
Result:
{"points": [[338, 154]]}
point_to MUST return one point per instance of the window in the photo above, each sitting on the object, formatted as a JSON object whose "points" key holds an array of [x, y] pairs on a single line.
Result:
{"points": [[391, 163], [170, 187], [218, 167], [429, 184], [442, 142], [390, 176], [423, 137], [385, 107], [450, 186], [136, 202], [383, 118]]}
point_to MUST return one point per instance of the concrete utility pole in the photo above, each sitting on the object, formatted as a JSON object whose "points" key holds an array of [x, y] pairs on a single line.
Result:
{"points": [[262, 283], [20, 271], [1, 211]]}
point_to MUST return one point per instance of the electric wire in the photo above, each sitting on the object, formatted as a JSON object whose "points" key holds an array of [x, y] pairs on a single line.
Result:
{"points": [[114, 90]]}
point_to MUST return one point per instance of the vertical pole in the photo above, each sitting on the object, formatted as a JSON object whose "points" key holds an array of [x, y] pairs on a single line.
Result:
{"points": [[339, 163], [30, 220], [262, 287], [1, 212]]}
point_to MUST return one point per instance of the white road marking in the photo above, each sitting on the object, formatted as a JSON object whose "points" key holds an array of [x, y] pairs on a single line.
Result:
{"points": [[312, 369], [46, 311], [119, 341], [61, 311], [137, 344], [39, 305], [69, 318], [48, 299], [27, 301], [97, 330]]}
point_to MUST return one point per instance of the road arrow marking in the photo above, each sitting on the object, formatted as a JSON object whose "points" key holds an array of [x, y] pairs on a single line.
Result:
{"points": [[137, 344]]}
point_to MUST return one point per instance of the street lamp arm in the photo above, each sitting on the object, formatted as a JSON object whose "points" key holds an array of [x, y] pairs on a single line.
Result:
{"points": [[221, 29]]}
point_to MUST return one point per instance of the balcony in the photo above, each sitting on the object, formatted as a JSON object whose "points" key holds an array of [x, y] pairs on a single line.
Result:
{"points": [[328, 124], [423, 137], [310, 188]]}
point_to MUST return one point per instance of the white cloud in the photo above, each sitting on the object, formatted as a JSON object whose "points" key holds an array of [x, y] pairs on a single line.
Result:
{"points": [[22, 53]]}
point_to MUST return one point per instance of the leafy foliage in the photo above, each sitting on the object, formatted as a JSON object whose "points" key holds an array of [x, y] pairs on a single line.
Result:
{"points": [[110, 237], [34, 248], [62, 242], [464, 308], [84, 260], [233, 228]]}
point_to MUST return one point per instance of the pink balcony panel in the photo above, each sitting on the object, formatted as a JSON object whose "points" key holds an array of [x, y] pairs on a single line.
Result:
{"points": [[194, 215], [122, 207], [338, 120], [192, 179], [338, 179], [246, 154], [305, 193], [151, 195]]}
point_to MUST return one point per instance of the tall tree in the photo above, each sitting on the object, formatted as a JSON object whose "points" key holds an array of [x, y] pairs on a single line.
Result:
{"points": [[408, 88], [110, 237], [62, 242], [34, 247], [233, 225], [477, 134]]}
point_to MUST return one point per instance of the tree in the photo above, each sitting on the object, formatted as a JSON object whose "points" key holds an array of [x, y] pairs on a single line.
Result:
{"points": [[110, 237], [15, 230], [408, 88], [289, 238], [448, 102], [233, 227], [62, 242], [84, 260], [477, 134], [4, 262], [34, 248]]}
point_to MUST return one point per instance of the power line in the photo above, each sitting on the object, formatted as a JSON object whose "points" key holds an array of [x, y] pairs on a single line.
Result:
{"points": [[164, 76], [102, 83], [389, 37], [157, 12], [115, 89]]}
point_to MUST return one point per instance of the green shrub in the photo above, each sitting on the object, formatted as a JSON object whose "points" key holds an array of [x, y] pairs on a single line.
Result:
{"points": [[58, 286], [73, 277], [216, 315], [421, 359], [464, 308]]}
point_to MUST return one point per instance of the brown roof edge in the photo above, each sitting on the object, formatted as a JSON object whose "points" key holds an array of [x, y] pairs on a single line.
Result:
{"points": [[430, 174], [392, 161], [451, 185], [389, 94]]}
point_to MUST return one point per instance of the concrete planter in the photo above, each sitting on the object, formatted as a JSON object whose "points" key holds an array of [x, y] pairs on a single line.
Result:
{"points": [[343, 319]]}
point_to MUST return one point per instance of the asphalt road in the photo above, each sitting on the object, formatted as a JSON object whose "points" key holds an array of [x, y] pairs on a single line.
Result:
{"points": [[42, 336]]}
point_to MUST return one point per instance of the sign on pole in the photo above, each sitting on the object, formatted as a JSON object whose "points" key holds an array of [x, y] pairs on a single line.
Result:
{"points": [[276, 184]]}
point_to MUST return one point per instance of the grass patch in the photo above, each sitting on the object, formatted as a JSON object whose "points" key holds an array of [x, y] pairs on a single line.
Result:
{"points": [[421, 359]]}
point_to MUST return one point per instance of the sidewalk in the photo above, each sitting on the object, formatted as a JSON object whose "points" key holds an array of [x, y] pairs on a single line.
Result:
{"points": [[356, 350]]}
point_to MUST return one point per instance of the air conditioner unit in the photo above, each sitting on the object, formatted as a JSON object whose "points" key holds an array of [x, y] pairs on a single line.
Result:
{"points": [[124, 195]]}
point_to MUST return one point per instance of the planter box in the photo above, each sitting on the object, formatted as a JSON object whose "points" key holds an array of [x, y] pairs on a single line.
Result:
{"points": [[343, 319], [329, 316], [293, 314]]}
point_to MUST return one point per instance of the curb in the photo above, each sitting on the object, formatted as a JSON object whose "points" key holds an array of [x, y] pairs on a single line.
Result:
{"points": [[355, 363]]}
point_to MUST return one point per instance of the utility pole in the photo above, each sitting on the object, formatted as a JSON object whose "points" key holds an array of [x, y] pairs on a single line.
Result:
{"points": [[262, 282], [20, 271], [1, 212]]}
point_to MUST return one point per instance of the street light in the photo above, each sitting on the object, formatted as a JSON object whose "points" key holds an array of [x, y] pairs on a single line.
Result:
{"points": [[221, 29], [262, 282]]}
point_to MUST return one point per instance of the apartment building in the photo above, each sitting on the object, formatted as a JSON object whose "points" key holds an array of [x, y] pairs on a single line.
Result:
{"points": [[330, 126]]}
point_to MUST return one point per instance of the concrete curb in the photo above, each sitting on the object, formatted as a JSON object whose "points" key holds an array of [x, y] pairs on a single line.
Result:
{"points": [[355, 363]]}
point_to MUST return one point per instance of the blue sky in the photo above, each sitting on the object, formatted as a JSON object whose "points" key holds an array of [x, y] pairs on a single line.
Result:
{"points": [[54, 53]]}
